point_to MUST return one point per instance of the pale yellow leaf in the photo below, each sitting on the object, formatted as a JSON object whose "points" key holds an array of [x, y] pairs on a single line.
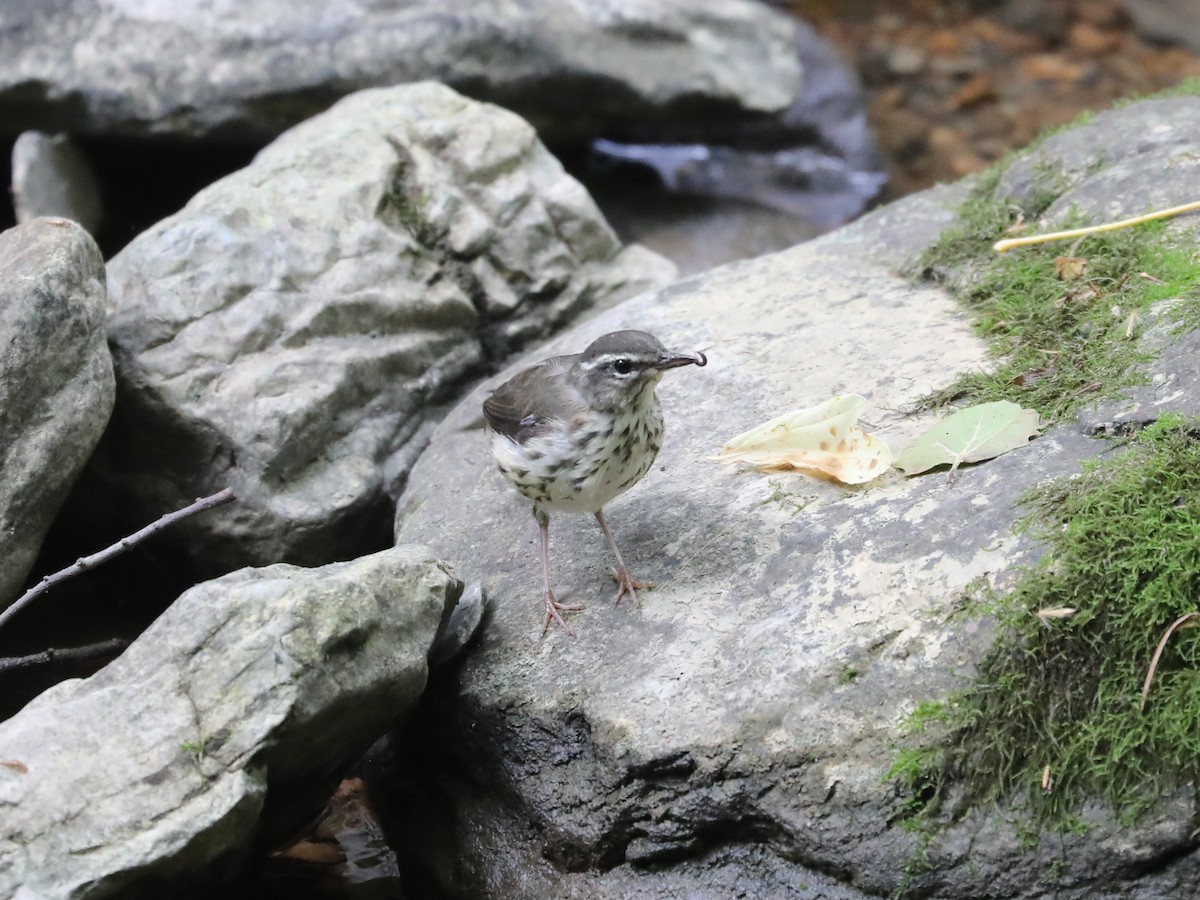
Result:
{"points": [[824, 438]]}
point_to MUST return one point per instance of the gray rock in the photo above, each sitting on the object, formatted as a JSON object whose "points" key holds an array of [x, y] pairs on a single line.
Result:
{"points": [[896, 235], [1118, 164], [735, 730], [1172, 21], [460, 626], [291, 332], [52, 177], [766, 185], [252, 69], [228, 721], [682, 715], [1173, 381], [56, 381]]}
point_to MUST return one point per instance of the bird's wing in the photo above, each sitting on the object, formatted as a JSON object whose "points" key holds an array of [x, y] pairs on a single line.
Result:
{"points": [[532, 400]]}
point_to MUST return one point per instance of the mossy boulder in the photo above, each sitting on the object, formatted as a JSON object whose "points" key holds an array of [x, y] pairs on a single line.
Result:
{"points": [[752, 724]]}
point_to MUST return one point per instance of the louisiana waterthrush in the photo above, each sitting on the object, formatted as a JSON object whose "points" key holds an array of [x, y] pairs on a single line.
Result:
{"points": [[573, 432]]}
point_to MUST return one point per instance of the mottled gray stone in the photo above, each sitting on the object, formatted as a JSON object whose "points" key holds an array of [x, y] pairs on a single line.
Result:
{"points": [[1172, 382], [291, 332], [251, 68], [768, 185], [56, 381], [1173, 21], [52, 177], [1118, 164], [739, 724], [895, 235], [722, 698], [228, 721]]}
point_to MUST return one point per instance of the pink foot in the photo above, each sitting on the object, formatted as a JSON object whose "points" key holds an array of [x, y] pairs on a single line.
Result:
{"points": [[554, 611], [626, 585]]}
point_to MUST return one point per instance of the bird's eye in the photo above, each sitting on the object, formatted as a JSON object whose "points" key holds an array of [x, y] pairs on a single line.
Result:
{"points": [[622, 366]]}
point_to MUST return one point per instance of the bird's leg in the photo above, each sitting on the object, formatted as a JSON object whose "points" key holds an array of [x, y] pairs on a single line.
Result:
{"points": [[625, 584], [553, 607]]}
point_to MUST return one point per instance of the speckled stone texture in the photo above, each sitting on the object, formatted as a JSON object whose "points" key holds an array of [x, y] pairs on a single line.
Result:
{"points": [[56, 381], [229, 721], [292, 332]]}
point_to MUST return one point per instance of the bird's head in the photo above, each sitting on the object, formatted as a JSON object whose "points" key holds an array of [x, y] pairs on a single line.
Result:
{"points": [[616, 369]]}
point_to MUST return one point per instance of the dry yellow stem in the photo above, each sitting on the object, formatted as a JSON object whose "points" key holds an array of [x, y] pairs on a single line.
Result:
{"points": [[1012, 243]]}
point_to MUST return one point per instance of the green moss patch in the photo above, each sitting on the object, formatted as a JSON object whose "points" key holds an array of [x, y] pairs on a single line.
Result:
{"points": [[1058, 342], [1053, 718], [403, 205]]}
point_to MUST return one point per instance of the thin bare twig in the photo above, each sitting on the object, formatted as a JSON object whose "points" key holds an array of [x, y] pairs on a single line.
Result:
{"points": [[1182, 622], [67, 654], [127, 543]]}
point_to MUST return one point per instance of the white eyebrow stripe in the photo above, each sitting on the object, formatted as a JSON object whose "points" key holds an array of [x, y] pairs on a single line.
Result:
{"points": [[609, 358]]}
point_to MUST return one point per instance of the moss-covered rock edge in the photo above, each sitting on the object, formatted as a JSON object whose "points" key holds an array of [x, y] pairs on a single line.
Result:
{"points": [[1053, 719]]}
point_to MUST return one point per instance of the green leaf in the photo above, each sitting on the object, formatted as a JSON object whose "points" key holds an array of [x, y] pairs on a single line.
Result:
{"points": [[970, 435]]}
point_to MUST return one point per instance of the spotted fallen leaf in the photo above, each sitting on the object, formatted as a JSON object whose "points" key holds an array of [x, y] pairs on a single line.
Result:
{"points": [[1070, 268], [971, 435], [825, 438]]}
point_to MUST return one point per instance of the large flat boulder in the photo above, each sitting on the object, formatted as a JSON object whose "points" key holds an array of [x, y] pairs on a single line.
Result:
{"points": [[723, 698], [734, 733]]}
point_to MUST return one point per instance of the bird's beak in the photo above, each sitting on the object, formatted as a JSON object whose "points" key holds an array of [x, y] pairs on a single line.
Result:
{"points": [[669, 360]]}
